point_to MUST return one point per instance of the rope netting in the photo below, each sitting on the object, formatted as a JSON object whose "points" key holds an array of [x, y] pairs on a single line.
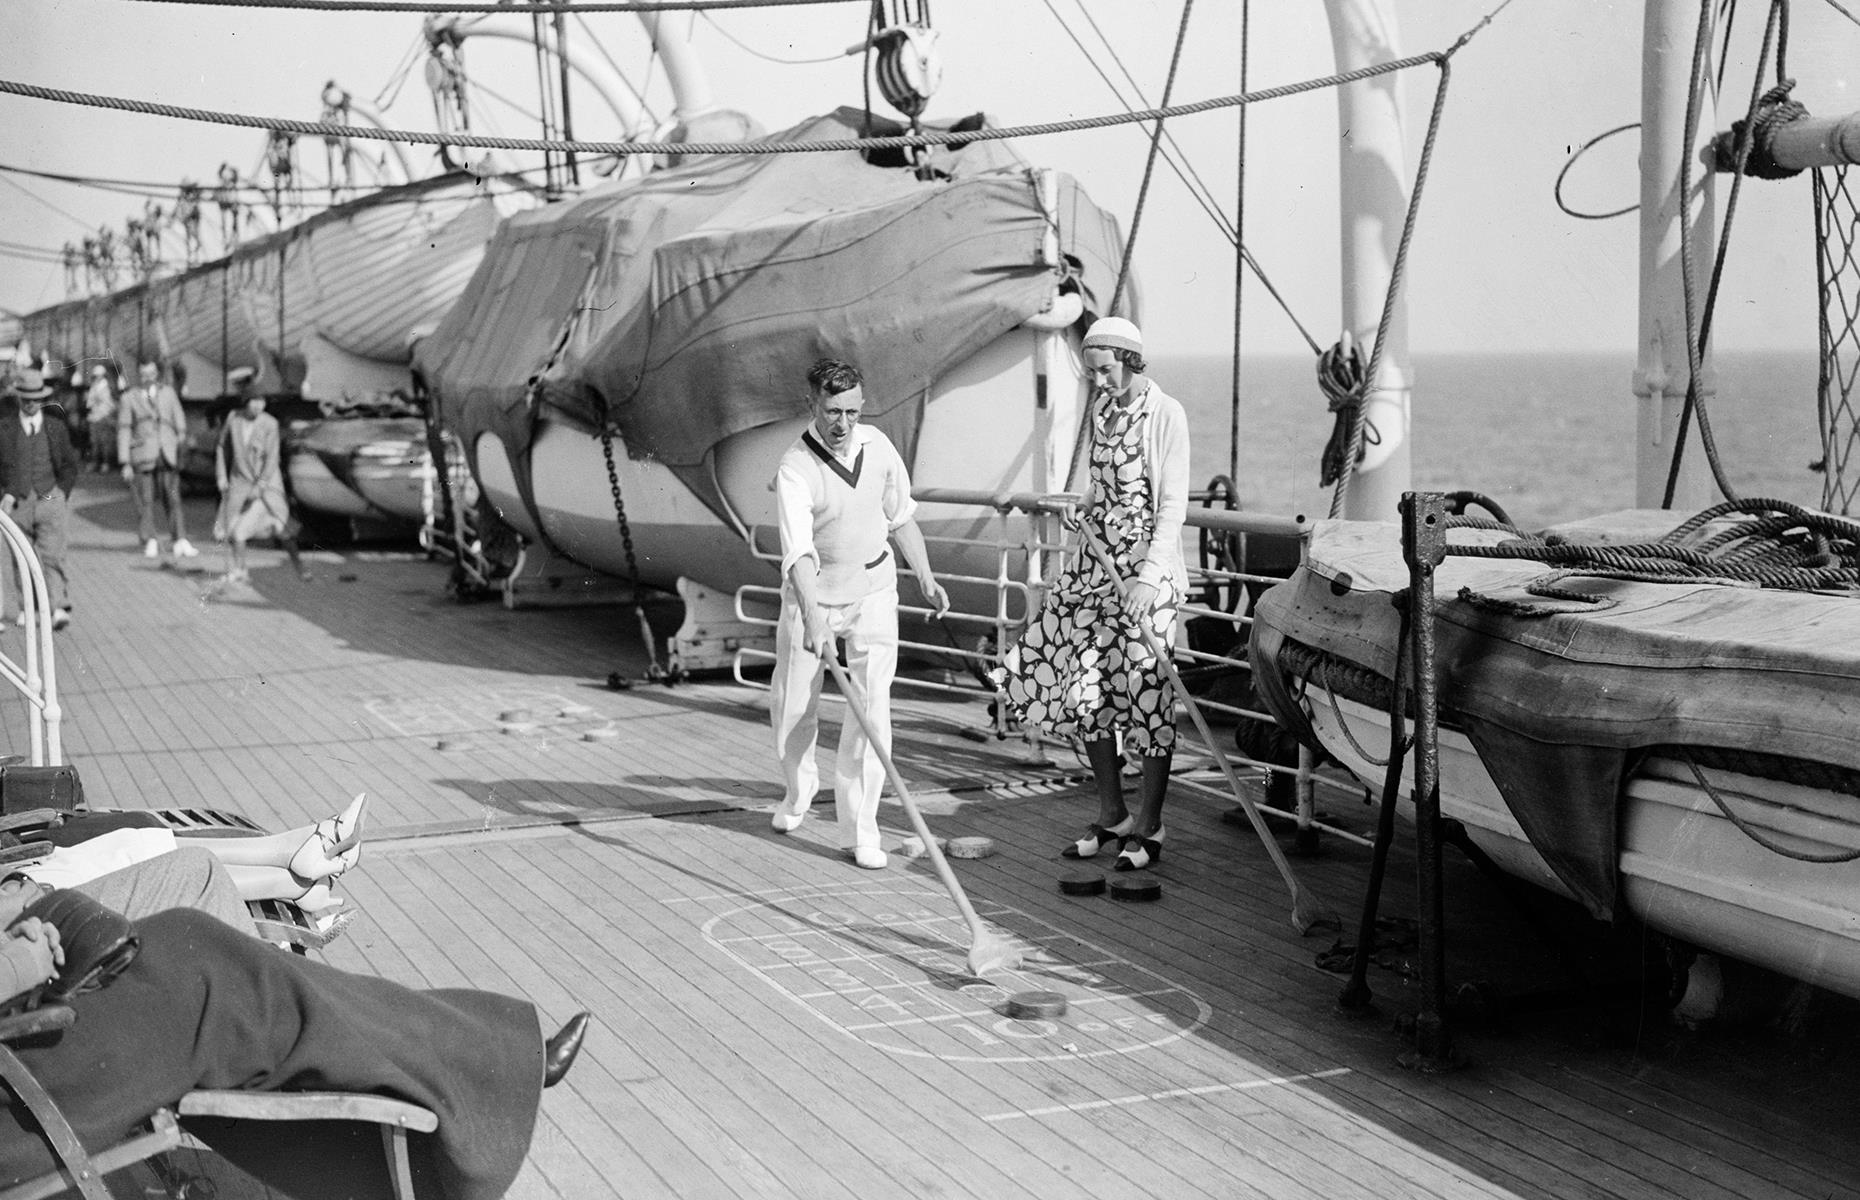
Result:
{"points": [[1837, 230]]}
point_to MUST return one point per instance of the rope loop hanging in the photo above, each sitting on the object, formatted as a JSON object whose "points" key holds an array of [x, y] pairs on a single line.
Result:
{"points": [[1343, 377]]}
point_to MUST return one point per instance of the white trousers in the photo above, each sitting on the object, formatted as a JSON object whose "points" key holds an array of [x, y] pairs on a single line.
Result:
{"points": [[870, 628]]}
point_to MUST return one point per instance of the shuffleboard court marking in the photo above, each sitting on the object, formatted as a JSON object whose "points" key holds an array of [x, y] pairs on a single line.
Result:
{"points": [[1209, 1089], [887, 966]]}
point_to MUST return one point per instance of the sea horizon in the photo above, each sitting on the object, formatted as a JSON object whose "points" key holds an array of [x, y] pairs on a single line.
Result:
{"points": [[1549, 435]]}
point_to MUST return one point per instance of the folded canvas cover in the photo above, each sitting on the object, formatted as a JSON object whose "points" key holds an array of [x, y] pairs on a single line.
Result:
{"points": [[686, 307]]}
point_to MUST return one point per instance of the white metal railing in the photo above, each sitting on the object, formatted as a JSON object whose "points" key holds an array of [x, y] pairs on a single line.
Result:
{"points": [[37, 678], [1012, 595], [1027, 554]]}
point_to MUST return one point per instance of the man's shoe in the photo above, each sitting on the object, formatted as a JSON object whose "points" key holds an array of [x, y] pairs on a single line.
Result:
{"points": [[151, 549], [185, 549], [559, 1051], [787, 819], [60, 618], [870, 857]]}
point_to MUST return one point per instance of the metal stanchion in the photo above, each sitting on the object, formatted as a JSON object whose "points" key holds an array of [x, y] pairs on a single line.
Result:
{"points": [[1424, 547]]}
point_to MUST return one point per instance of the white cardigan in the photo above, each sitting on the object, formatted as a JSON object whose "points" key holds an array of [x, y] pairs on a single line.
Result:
{"points": [[1165, 461]]}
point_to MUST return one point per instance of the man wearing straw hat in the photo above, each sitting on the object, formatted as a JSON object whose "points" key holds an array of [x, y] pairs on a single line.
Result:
{"points": [[841, 493], [38, 467]]}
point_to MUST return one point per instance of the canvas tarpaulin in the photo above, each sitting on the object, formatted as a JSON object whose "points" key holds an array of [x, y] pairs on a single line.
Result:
{"points": [[1556, 706], [687, 307]]}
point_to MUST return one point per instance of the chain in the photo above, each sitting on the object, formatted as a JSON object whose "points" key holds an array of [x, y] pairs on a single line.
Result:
{"points": [[655, 671], [626, 530]]}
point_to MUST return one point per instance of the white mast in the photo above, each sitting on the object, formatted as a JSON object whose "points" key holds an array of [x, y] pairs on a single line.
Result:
{"points": [[1372, 205], [1662, 373]]}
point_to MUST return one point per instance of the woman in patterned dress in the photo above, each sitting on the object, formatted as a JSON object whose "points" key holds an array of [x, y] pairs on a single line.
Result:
{"points": [[1083, 667]]}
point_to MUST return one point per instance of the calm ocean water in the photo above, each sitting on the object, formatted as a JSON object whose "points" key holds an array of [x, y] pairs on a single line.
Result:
{"points": [[1549, 436]]}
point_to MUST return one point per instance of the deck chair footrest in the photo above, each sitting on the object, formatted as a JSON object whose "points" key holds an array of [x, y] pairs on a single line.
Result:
{"points": [[308, 1106]]}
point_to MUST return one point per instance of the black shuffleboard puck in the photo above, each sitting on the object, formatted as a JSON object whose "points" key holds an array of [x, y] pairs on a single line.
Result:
{"points": [[1032, 1005], [1136, 890]]}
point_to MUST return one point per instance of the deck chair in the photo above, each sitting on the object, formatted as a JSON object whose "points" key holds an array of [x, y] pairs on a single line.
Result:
{"points": [[82, 1171]]}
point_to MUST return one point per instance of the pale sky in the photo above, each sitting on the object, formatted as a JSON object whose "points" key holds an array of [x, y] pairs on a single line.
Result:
{"points": [[1495, 266]]}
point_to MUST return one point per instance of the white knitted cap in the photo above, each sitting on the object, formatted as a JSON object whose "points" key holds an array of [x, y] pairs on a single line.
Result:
{"points": [[1114, 333]]}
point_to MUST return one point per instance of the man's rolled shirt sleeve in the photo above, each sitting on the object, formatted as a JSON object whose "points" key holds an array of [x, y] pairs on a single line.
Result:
{"points": [[899, 506], [794, 518]]}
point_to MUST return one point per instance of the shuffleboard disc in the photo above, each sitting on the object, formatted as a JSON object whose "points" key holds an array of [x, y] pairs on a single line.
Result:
{"points": [[1136, 890], [1028, 1006]]}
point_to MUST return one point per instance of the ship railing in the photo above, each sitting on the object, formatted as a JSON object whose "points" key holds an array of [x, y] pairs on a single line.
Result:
{"points": [[1025, 535], [1009, 602], [36, 678]]}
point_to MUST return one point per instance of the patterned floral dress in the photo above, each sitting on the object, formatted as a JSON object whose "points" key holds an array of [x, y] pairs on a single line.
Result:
{"points": [[1082, 667]]}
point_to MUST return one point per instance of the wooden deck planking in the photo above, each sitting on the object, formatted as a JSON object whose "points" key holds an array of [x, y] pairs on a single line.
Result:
{"points": [[949, 1082], [970, 1089], [1211, 941], [1159, 1139], [1663, 1149], [1020, 1092], [672, 1038], [829, 1104]]}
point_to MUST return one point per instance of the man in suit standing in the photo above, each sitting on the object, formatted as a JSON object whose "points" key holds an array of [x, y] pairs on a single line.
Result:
{"points": [[149, 428], [38, 468]]}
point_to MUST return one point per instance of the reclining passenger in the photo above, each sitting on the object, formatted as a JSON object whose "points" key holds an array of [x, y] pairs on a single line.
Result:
{"points": [[205, 1006], [295, 865], [187, 877]]}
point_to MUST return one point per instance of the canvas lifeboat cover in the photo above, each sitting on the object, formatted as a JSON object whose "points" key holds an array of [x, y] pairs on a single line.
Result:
{"points": [[687, 307], [1556, 705]]}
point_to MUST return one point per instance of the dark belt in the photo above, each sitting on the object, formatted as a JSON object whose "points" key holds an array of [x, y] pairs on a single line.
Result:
{"points": [[882, 556]]}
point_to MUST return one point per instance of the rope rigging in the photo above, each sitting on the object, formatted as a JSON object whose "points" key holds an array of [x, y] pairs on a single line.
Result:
{"points": [[1354, 444], [1149, 163], [529, 7], [821, 145], [1698, 329], [1179, 164]]}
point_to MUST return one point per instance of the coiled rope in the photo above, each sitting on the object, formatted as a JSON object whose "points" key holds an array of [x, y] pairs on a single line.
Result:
{"points": [[1782, 546], [330, 129], [1758, 131], [1343, 377]]}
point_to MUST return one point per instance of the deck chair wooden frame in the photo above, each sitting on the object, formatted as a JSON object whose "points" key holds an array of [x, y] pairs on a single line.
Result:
{"points": [[80, 1170], [77, 1168], [396, 1118]]}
